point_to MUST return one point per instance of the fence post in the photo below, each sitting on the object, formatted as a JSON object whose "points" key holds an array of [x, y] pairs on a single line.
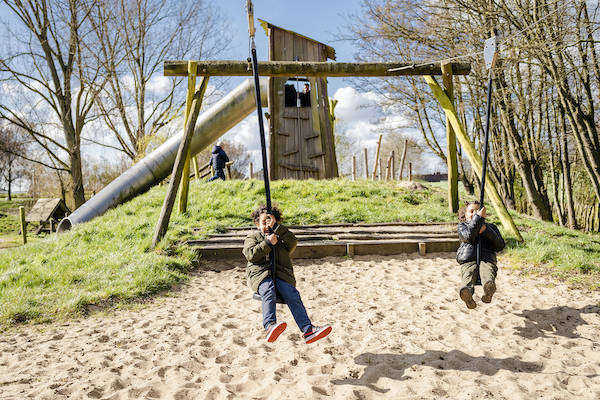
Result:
{"points": [[376, 157], [251, 171], [228, 172], [353, 167], [366, 165], [393, 165], [23, 224], [410, 171]]}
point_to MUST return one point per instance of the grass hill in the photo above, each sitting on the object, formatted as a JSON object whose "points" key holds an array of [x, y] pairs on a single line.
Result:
{"points": [[109, 260]]}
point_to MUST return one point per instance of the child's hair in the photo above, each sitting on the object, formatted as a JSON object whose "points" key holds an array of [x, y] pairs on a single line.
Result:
{"points": [[262, 209], [462, 211]]}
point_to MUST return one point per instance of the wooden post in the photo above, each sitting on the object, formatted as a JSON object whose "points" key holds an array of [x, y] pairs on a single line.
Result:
{"points": [[380, 168], [410, 171], [422, 248], [251, 170], [23, 224], [474, 157], [451, 159], [196, 171], [388, 168], [178, 166], [353, 167], [366, 165], [185, 181], [403, 159], [377, 157], [228, 166], [393, 165]]}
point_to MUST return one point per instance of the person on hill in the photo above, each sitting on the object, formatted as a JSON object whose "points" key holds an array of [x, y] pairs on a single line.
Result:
{"points": [[472, 229], [218, 160], [273, 239]]}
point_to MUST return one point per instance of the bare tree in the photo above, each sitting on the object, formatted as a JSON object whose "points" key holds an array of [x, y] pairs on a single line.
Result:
{"points": [[12, 166], [52, 81], [135, 37]]}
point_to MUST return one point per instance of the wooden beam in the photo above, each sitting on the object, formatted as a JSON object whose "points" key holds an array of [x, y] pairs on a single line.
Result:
{"points": [[474, 157], [314, 69], [185, 180], [403, 158], [169, 202], [377, 157], [451, 159]]}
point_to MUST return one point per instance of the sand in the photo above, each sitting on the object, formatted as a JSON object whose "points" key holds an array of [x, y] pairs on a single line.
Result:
{"points": [[400, 332]]}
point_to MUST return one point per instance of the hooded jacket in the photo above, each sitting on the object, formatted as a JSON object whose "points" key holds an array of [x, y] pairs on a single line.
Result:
{"points": [[218, 158], [258, 252], [468, 233]]}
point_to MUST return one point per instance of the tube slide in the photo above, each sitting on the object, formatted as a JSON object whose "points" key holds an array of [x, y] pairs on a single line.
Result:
{"points": [[156, 166]]}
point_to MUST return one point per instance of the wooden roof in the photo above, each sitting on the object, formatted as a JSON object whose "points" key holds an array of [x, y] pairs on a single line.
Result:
{"points": [[330, 51], [44, 209]]}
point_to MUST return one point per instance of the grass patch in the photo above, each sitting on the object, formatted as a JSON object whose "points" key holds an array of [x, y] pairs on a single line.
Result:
{"points": [[110, 259]]}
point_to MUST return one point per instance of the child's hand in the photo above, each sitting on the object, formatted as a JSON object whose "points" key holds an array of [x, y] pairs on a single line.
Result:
{"points": [[482, 212], [272, 238]]}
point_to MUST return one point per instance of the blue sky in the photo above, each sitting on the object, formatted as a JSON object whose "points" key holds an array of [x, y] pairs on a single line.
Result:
{"points": [[319, 20]]}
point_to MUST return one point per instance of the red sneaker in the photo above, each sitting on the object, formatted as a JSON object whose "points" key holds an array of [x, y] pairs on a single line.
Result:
{"points": [[316, 333], [275, 330]]}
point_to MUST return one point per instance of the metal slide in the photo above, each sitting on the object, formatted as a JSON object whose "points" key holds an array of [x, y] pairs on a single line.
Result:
{"points": [[156, 166]]}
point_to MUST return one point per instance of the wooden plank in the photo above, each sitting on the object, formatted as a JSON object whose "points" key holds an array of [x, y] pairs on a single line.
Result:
{"points": [[286, 68], [311, 137], [298, 168], [289, 153], [316, 155]]}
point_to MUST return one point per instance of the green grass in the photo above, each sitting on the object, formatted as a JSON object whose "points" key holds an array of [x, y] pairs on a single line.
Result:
{"points": [[110, 260]]}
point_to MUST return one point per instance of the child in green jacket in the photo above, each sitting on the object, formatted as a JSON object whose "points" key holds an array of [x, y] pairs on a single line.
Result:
{"points": [[271, 239]]}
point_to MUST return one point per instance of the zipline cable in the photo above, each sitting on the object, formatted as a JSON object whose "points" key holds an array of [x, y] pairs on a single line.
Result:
{"points": [[261, 127]]}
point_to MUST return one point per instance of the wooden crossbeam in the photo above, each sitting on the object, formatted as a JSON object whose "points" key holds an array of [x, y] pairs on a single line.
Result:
{"points": [[313, 69]]}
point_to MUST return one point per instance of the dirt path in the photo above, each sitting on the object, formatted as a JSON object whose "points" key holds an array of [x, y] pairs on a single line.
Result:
{"points": [[399, 332]]}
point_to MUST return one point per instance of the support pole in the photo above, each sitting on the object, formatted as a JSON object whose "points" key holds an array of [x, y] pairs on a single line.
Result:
{"points": [[381, 171], [393, 165], [474, 157], [410, 172], [366, 164], [451, 159], [403, 159], [185, 181], [353, 167], [23, 224], [377, 157], [178, 166], [251, 171]]}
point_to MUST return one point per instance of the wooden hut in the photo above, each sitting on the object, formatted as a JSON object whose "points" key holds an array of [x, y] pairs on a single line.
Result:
{"points": [[47, 213], [301, 133]]}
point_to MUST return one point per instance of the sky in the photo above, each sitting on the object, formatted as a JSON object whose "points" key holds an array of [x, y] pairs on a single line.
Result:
{"points": [[320, 20]]}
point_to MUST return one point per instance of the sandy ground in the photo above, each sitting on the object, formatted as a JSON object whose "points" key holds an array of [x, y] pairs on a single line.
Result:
{"points": [[400, 332]]}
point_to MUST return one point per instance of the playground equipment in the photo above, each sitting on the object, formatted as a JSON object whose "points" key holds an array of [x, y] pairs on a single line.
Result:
{"points": [[298, 128], [156, 166]]}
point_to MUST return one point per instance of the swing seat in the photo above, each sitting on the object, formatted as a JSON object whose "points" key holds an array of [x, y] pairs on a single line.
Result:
{"points": [[278, 299]]}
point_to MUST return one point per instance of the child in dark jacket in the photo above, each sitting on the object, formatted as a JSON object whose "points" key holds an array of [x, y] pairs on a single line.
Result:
{"points": [[273, 239], [472, 229]]}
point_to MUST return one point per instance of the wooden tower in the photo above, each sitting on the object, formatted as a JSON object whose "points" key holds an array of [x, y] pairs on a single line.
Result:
{"points": [[301, 134]]}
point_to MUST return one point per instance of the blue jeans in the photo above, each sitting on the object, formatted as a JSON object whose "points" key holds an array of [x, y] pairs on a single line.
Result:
{"points": [[290, 295], [219, 174]]}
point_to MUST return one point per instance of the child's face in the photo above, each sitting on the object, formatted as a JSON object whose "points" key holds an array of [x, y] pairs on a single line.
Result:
{"points": [[265, 221], [470, 211]]}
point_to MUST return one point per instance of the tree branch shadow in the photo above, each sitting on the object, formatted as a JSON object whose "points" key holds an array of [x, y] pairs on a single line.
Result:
{"points": [[555, 321], [392, 366]]}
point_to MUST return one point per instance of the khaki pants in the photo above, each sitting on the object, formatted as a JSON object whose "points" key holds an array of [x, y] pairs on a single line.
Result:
{"points": [[469, 275]]}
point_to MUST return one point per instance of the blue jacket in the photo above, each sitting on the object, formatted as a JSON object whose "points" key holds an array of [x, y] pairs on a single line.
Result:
{"points": [[218, 158]]}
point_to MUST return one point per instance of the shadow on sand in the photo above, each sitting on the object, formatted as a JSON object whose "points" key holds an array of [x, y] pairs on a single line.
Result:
{"points": [[561, 321], [392, 366]]}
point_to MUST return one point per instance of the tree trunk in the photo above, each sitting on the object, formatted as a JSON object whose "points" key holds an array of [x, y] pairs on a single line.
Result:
{"points": [[566, 171]]}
